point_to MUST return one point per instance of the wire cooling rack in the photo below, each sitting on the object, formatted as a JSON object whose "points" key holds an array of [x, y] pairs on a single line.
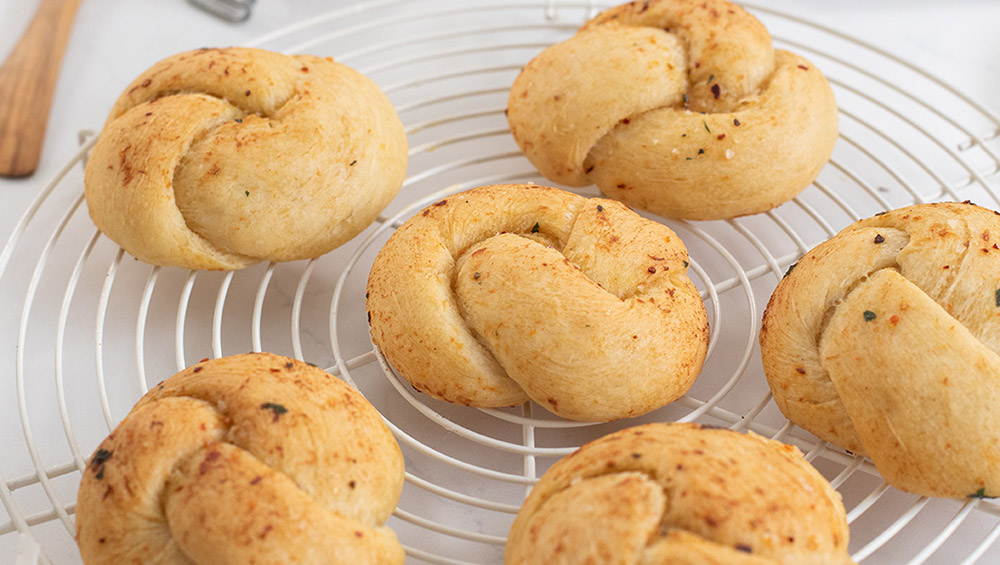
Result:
{"points": [[93, 328]]}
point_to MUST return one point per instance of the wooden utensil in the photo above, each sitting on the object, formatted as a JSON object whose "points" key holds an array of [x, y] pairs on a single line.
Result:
{"points": [[27, 81]]}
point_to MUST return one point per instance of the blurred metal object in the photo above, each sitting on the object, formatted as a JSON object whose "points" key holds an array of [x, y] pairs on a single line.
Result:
{"points": [[234, 11]]}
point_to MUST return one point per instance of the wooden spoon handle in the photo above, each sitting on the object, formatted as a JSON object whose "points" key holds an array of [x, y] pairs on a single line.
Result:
{"points": [[27, 81]]}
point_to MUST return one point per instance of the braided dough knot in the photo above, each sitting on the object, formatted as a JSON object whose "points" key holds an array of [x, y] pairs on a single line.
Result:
{"points": [[885, 340], [220, 158], [509, 292], [680, 493], [244, 459], [679, 107]]}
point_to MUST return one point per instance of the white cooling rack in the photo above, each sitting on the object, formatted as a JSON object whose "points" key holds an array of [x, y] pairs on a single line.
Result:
{"points": [[94, 328]]}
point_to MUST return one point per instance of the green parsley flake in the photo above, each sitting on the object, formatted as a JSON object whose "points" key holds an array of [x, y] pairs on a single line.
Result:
{"points": [[276, 408], [981, 493], [247, 192], [534, 229], [869, 315], [998, 298]]}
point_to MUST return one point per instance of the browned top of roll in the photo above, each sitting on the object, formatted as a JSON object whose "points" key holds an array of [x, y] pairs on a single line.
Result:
{"points": [[247, 457], [220, 158]]}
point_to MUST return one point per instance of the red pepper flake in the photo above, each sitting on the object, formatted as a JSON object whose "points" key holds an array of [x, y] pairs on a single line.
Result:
{"points": [[197, 369], [736, 122], [716, 91], [879, 238], [256, 480], [247, 93], [358, 534], [209, 457], [697, 64], [894, 319], [803, 67], [721, 136], [744, 548], [626, 121], [636, 455], [947, 267], [441, 203], [588, 169], [304, 69], [621, 185], [352, 484], [800, 370], [651, 270]]}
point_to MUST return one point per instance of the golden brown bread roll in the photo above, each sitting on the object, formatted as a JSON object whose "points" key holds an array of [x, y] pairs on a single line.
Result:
{"points": [[509, 292], [220, 158], [680, 493], [884, 340], [679, 107], [251, 458]]}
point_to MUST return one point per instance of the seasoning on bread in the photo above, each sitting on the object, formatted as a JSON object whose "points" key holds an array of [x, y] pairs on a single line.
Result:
{"points": [[221, 158], [249, 458], [508, 292], [679, 107], [885, 340]]}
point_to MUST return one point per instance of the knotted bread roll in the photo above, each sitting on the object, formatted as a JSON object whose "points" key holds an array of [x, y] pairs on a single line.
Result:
{"points": [[247, 459], [884, 340], [678, 107], [220, 158], [680, 493], [509, 292]]}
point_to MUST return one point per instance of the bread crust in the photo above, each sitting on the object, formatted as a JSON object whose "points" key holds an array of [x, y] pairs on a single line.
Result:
{"points": [[680, 493], [250, 458], [884, 340], [678, 107], [508, 292], [221, 158]]}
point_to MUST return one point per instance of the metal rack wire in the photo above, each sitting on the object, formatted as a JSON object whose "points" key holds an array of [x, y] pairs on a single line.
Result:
{"points": [[94, 329]]}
